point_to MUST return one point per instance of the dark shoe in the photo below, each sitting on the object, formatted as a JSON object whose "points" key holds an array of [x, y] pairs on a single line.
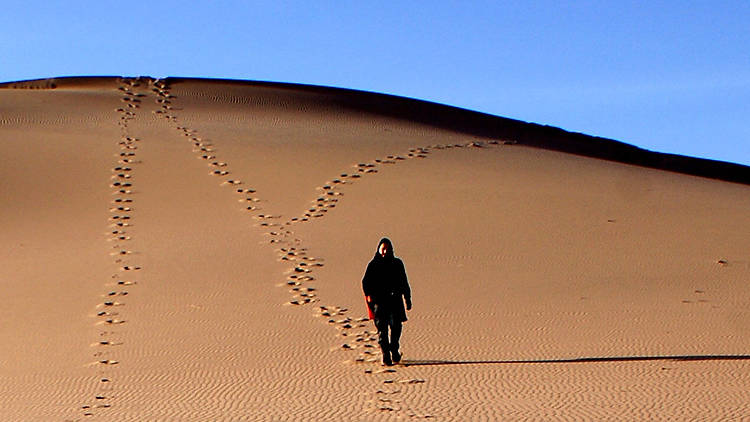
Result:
{"points": [[387, 360], [396, 357]]}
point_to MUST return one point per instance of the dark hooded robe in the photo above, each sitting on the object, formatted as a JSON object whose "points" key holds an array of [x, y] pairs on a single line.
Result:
{"points": [[386, 285]]}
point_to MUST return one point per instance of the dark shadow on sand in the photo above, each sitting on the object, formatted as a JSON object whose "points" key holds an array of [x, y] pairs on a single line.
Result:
{"points": [[683, 358]]}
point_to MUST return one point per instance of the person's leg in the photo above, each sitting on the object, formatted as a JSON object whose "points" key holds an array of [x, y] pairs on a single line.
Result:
{"points": [[382, 325], [395, 337]]}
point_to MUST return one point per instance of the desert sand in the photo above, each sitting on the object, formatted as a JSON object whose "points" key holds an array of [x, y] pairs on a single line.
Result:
{"points": [[192, 250]]}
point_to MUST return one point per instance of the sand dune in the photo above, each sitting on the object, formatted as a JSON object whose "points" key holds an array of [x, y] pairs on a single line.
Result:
{"points": [[187, 249]]}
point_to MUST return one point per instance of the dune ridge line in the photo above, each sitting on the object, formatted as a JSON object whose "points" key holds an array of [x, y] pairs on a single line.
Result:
{"points": [[469, 122]]}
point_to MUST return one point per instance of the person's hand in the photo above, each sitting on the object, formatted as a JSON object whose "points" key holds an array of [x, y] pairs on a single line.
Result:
{"points": [[408, 304]]}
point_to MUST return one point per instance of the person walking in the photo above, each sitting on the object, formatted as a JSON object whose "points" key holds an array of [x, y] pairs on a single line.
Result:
{"points": [[386, 289]]}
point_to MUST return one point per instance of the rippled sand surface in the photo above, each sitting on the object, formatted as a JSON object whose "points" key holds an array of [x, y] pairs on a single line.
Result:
{"points": [[191, 250]]}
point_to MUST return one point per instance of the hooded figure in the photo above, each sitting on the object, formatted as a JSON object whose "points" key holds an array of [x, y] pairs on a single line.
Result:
{"points": [[386, 288]]}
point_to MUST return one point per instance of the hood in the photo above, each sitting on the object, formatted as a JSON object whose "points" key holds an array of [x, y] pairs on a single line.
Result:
{"points": [[388, 242]]}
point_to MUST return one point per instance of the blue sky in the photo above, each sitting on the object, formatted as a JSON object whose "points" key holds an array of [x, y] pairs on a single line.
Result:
{"points": [[670, 76]]}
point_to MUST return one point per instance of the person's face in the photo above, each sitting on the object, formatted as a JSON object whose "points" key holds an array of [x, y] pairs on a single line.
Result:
{"points": [[383, 249]]}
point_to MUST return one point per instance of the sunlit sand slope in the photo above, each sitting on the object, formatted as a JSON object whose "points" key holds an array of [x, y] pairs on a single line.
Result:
{"points": [[193, 250]]}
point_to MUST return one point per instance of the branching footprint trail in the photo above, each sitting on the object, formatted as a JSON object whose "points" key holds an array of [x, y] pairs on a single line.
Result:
{"points": [[357, 333], [109, 312]]}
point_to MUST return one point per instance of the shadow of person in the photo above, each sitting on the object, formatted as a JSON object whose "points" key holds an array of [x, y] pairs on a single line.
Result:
{"points": [[681, 358]]}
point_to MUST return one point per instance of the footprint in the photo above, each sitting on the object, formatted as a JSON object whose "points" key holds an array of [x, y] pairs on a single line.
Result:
{"points": [[106, 343], [120, 253], [385, 392]]}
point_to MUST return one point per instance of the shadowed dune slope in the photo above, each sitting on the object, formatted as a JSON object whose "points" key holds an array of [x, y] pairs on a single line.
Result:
{"points": [[188, 249], [464, 121], [530, 134]]}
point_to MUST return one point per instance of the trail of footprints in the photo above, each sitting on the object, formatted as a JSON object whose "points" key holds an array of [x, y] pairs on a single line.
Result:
{"points": [[357, 334], [109, 314]]}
